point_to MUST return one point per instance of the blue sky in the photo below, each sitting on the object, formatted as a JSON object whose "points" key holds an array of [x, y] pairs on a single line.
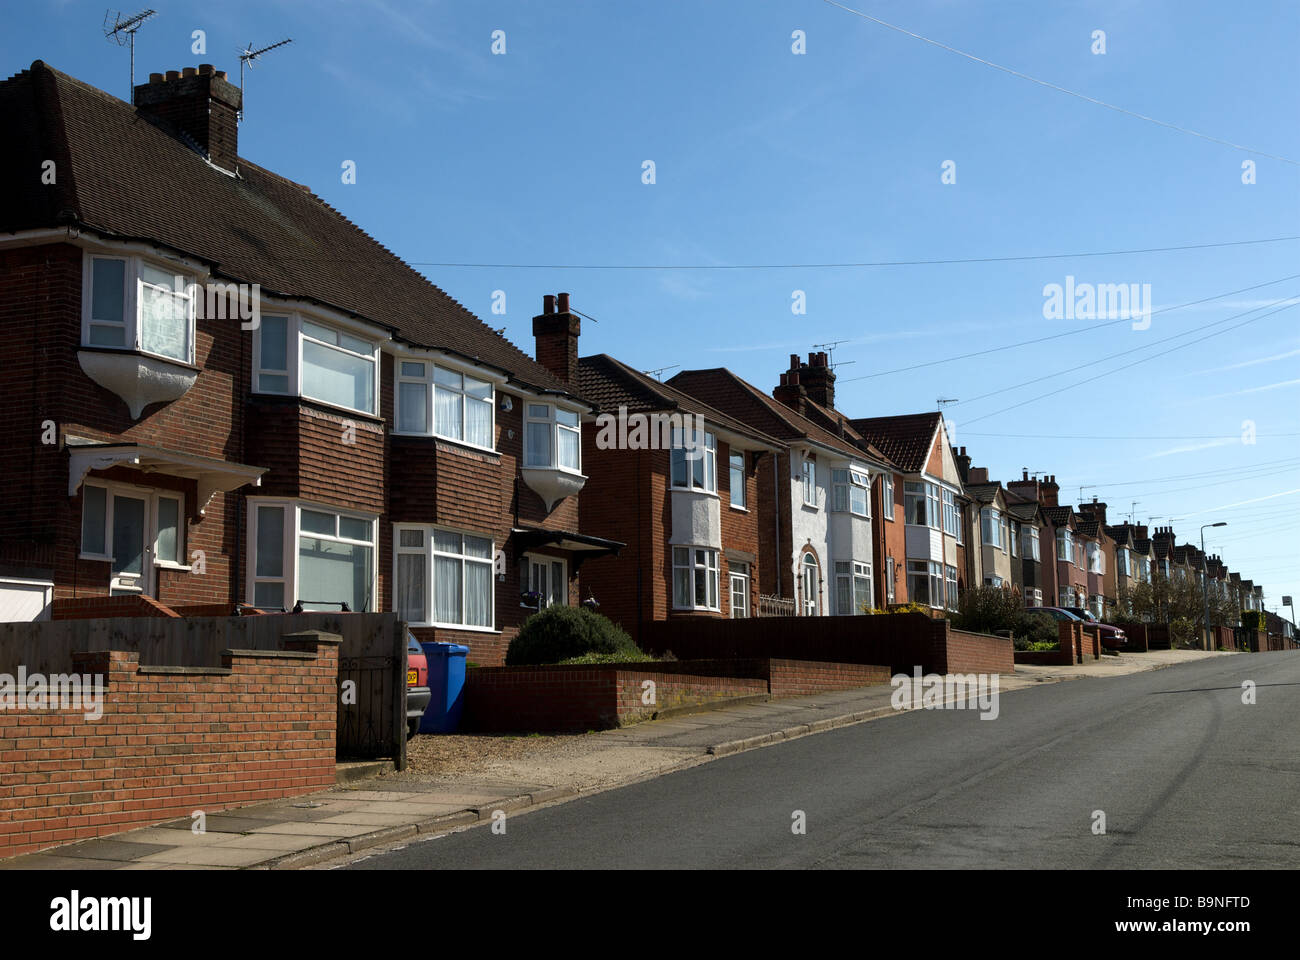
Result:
{"points": [[835, 156]]}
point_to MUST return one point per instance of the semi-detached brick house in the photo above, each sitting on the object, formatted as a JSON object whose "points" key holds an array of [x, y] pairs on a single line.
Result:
{"points": [[1027, 517], [817, 503], [935, 529], [1065, 581], [364, 444], [690, 519]]}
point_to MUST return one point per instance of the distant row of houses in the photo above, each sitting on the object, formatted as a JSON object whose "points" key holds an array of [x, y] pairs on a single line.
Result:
{"points": [[365, 443]]}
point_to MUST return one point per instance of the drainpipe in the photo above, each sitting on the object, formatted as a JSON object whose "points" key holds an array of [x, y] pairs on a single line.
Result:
{"points": [[776, 502]]}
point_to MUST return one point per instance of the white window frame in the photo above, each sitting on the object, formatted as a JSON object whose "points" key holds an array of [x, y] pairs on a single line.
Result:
{"points": [[290, 547], [733, 487], [808, 482], [151, 496], [1064, 544], [706, 444], [929, 494], [132, 282], [738, 573], [294, 321], [710, 569], [950, 524], [888, 497], [845, 484], [890, 573], [810, 584], [950, 587], [1013, 540], [849, 574], [550, 563], [430, 579], [557, 429]]}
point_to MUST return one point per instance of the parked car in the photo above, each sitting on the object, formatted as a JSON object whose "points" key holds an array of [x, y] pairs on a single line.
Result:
{"points": [[1056, 613], [418, 693], [1112, 637]]}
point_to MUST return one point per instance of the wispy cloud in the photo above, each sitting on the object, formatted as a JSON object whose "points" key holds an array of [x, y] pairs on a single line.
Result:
{"points": [[1238, 393], [1248, 363], [1221, 442], [1242, 503]]}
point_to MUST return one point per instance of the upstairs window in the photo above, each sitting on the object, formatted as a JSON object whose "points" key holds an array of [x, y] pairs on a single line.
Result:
{"points": [[1064, 545], [1029, 543], [695, 468], [294, 356], [949, 513], [921, 503], [888, 496], [552, 437], [441, 402], [850, 488], [135, 304], [809, 482], [736, 467]]}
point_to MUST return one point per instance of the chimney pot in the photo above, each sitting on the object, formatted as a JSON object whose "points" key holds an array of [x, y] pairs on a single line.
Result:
{"points": [[206, 69], [1024, 473], [200, 103], [188, 72], [155, 78], [562, 303], [548, 303], [173, 75], [794, 361], [220, 74]]}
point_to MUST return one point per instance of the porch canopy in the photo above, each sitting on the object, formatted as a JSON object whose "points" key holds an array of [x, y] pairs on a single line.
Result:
{"points": [[581, 545], [212, 475]]}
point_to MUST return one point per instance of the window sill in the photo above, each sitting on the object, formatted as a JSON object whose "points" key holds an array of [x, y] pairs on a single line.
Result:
{"points": [[453, 626], [96, 557], [439, 438], [739, 509], [698, 610], [170, 565]]}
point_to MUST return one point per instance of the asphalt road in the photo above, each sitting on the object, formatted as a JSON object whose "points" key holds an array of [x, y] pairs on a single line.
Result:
{"points": [[1186, 774]]}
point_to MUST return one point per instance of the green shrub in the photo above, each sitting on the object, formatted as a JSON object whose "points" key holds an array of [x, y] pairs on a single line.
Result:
{"points": [[988, 609], [903, 608], [1036, 627], [638, 656], [1253, 620], [561, 633], [1045, 645]]}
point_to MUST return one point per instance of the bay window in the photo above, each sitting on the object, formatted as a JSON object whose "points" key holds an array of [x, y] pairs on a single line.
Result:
{"points": [[991, 528], [949, 513], [921, 503], [442, 577], [696, 468], [1064, 544], [925, 582], [1029, 543], [552, 437], [852, 587], [135, 304], [1014, 540], [438, 401], [850, 492], [295, 356], [317, 556], [695, 578]]}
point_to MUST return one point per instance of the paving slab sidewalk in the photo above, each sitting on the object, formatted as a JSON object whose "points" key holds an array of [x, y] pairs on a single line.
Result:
{"points": [[320, 828]]}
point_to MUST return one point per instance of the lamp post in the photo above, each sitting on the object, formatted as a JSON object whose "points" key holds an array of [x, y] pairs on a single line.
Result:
{"points": [[1205, 579]]}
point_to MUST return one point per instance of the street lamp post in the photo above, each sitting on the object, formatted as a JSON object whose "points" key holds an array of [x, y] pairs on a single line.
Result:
{"points": [[1205, 579]]}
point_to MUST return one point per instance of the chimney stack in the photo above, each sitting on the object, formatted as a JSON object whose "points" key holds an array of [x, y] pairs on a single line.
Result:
{"points": [[200, 103], [818, 378], [791, 392], [556, 333]]}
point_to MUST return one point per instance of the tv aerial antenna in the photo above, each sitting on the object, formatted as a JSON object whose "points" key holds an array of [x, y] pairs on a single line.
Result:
{"points": [[944, 401], [658, 372], [249, 57], [830, 353], [123, 31]]}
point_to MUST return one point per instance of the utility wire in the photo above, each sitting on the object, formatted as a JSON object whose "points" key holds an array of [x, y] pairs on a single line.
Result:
{"points": [[1067, 333], [1072, 437], [1126, 366], [1060, 89], [833, 266], [1121, 353]]}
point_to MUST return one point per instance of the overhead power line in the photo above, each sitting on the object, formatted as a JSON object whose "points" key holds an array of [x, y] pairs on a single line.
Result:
{"points": [[1181, 346], [1060, 89], [1018, 258], [1075, 437], [1066, 333]]}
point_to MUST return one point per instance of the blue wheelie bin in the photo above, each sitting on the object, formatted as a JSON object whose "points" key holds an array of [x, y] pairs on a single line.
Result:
{"points": [[446, 686]]}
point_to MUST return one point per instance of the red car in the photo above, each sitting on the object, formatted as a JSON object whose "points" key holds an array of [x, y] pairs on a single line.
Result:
{"points": [[1112, 637], [418, 693]]}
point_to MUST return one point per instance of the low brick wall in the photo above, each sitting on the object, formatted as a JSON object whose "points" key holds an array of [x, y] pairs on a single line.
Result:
{"points": [[901, 641], [1046, 658], [171, 740], [599, 696], [589, 697]]}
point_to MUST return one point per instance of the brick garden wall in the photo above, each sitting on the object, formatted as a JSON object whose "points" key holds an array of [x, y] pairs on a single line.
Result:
{"points": [[171, 740], [898, 641]]}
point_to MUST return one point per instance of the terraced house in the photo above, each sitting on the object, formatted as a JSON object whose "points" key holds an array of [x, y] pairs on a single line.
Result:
{"points": [[815, 501], [933, 500], [227, 395]]}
